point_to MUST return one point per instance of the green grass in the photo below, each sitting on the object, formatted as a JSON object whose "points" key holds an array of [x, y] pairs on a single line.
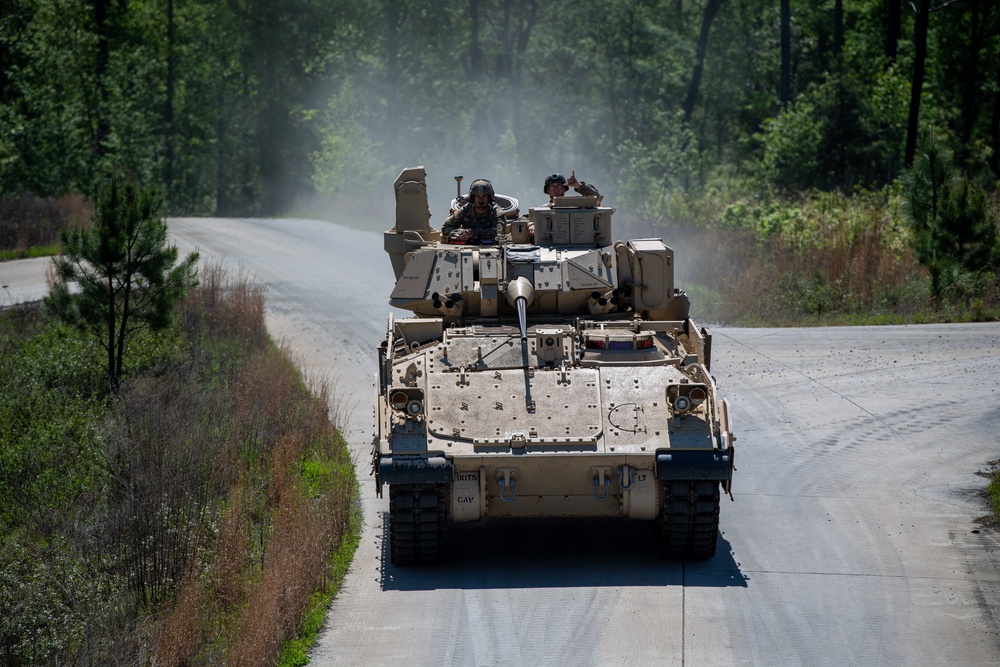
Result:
{"points": [[34, 251], [994, 493], [295, 652]]}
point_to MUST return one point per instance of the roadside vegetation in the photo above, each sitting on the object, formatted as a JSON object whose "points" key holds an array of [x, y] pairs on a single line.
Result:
{"points": [[31, 226], [826, 258], [173, 493]]}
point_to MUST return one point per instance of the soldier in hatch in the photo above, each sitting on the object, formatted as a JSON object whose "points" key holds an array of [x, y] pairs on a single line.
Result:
{"points": [[475, 221], [556, 185]]}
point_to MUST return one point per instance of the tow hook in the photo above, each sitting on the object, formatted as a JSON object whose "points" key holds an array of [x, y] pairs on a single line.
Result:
{"points": [[507, 479], [621, 477], [602, 478]]}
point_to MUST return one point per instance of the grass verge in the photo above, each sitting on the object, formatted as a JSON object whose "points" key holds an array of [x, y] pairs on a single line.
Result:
{"points": [[295, 652], [33, 251], [992, 493], [204, 515]]}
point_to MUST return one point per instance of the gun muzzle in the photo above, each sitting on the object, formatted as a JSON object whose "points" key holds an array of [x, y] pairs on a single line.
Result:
{"points": [[520, 294]]}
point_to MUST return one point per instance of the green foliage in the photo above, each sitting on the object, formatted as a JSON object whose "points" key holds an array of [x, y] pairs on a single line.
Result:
{"points": [[124, 270], [840, 133], [652, 172], [52, 602], [993, 492], [812, 294], [255, 107], [952, 231], [47, 454], [792, 145], [346, 162]]}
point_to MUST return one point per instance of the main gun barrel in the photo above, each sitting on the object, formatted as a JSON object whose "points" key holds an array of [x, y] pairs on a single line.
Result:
{"points": [[520, 294]]}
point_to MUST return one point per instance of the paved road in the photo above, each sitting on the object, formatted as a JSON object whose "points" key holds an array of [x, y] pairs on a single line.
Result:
{"points": [[23, 280], [853, 538]]}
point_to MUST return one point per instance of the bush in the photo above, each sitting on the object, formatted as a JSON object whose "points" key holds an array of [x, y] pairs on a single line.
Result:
{"points": [[27, 222], [56, 604], [820, 257]]}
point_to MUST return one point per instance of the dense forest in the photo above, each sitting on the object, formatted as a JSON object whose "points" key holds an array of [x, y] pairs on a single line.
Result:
{"points": [[259, 107], [846, 149]]}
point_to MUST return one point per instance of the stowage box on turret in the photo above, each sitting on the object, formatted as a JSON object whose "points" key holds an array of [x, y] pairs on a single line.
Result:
{"points": [[553, 373]]}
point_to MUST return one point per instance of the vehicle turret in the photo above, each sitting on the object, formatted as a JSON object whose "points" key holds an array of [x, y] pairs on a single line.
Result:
{"points": [[563, 251]]}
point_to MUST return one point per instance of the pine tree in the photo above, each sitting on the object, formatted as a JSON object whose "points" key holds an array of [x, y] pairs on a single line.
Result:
{"points": [[120, 276], [950, 224]]}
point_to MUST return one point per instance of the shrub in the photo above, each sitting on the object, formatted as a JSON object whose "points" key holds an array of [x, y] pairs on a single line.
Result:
{"points": [[28, 222]]}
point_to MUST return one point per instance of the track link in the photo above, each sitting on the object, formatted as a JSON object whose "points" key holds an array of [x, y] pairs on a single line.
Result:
{"points": [[417, 515], [689, 520]]}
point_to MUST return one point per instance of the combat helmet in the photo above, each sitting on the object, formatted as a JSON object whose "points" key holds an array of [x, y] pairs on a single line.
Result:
{"points": [[553, 178], [481, 186]]}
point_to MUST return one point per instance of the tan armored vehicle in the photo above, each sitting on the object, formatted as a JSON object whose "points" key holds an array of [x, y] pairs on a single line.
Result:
{"points": [[558, 376]]}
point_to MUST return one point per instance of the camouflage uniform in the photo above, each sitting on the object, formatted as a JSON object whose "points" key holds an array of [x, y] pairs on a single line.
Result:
{"points": [[483, 226], [587, 190]]}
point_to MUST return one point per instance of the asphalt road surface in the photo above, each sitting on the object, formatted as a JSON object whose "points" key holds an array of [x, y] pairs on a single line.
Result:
{"points": [[23, 280], [853, 537]]}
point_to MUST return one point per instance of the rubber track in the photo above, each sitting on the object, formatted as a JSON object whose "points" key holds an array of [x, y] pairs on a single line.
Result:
{"points": [[689, 521], [417, 515]]}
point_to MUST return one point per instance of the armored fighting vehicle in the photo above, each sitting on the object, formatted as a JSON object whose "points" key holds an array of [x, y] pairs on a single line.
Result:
{"points": [[552, 373]]}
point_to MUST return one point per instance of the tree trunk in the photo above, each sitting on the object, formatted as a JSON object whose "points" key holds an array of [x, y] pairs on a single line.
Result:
{"points": [[526, 23], [3, 56], [917, 84], [221, 195], [483, 135], [970, 108], [168, 111], [711, 9], [103, 127], [515, 33], [893, 30], [785, 87], [272, 119], [838, 30], [126, 309], [475, 50], [995, 127], [113, 377]]}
